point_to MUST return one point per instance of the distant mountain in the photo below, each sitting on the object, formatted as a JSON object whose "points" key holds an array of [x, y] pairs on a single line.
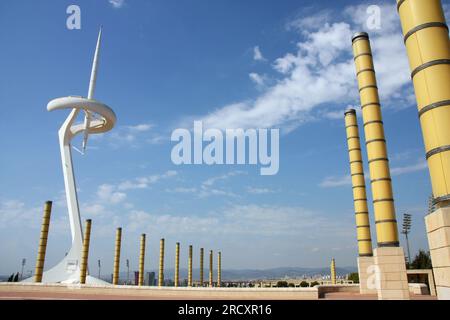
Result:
{"points": [[254, 274]]}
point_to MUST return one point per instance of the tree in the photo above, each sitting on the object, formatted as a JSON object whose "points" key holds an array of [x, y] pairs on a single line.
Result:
{"points": [[16, 277], [291, 285], [282, 284], [354, 276], [304, 284], [422, 260], [314, 283]]}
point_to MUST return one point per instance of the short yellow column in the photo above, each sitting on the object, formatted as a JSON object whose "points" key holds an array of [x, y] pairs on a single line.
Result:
{"points": [[427, 44], [161, 263], [190, 267], [219, 269], [201, 266], [177, 265], [40, 260], [85, 251], [210, 268], [333, 271], [141, 261], [116, 268]]}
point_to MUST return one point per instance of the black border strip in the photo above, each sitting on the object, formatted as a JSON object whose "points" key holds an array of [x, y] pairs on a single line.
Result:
{"points": [[361, 199], [364, 70], [443, 103], [437, 150], [370, 104], [366, 254], [380, 179], [357, 174], [386, 221], [362, 212], [373, 121], [375, 140], [429, 64], [354, 149], [360, 186], [370, 86], [377, 159], [355, 161], [362, 54], [399, 4], [424, 26], [389, 244], [363, 226], [383, 200]]}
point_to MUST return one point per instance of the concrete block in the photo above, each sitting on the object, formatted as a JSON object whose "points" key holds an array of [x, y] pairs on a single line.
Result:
{"points": [[439, 238], [440, 257], [437, 219]]}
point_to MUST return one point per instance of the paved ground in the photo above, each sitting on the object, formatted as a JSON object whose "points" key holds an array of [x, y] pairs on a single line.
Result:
{"points": [[48, 295]]}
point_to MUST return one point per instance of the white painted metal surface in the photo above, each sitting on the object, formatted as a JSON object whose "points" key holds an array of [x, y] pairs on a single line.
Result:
{"points": [[99, 118]]}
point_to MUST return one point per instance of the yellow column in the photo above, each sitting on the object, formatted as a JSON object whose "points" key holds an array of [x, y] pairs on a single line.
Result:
{"points": [[85, 251], [190, 267], [141, 261], [210, 268], [43, 242], [201, 266], [219, 268], [383, 199], [333, 271], [177, 264], [161, 263], [358, 185], [427, 44], [117, 256]]}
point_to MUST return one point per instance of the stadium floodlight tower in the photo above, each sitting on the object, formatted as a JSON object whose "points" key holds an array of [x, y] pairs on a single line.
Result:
{"points": [[98, 118]]}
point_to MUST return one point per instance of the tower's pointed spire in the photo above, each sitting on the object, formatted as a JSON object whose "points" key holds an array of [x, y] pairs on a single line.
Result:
{"points": [[94, 66]]}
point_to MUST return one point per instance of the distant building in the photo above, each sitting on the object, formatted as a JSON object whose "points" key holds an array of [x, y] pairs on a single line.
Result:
{"points": [[151, 279]]}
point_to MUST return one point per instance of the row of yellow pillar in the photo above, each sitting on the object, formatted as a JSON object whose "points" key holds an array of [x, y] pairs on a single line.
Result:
{"points": [[115, 280], [427, 43]]}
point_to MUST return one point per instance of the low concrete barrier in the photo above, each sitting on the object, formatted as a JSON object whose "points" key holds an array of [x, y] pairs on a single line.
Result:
{"points": [[324, 289], [99, 292]]}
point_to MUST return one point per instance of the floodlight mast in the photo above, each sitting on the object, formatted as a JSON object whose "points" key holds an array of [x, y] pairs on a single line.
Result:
{"points": [[68, 270]]}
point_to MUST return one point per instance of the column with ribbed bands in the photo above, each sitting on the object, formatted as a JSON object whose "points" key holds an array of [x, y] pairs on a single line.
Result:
{"points": [[190, 267], [333, 271], [383, 200], [201, 266], [43, 242], [161, 263], [117, 256], [219, 269], [358, 185], [210, 268], [427, 44], [85, 251], [141, 261], [177, 265]]}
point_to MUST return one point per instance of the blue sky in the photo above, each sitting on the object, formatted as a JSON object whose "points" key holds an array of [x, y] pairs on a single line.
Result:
{"points": [[248, 64]]}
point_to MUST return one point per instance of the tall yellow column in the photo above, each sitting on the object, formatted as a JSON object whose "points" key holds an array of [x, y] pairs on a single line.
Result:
{"points": [[161, 263], [141, 261], [85, 251], [201, 266], [210, 268], [40, 260], [177, 265], [190, 267], [427, 44], [333, 271], [388, 256], [365, 253], [219, 269], [117, 256]]}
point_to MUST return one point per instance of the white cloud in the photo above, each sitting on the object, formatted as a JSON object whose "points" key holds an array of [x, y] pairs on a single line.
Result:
{"points": [[322, 73], [257, 79], [117, 3], [107, 193], [333, 181], [145, 182], [257, 55], [254, 190]]}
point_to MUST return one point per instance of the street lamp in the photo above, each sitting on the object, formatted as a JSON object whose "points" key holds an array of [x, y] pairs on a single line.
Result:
{"points": [[406, 229], [99, 268], [24, 261], [128, 271]]}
